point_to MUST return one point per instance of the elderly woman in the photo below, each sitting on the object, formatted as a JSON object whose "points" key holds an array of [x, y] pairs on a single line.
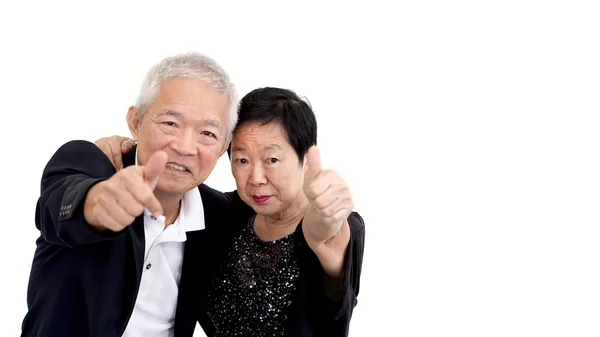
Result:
{"points": [[289, 256]]}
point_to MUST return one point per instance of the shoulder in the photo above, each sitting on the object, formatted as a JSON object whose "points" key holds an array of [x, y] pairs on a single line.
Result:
{"points": [[82, 148], [211, 196], [226, 210], [239, 205], [80, 156], [241, 211], [214, 200], [210, 193]]}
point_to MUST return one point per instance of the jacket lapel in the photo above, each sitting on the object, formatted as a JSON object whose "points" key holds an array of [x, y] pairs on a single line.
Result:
{"points": [[136, 230]]}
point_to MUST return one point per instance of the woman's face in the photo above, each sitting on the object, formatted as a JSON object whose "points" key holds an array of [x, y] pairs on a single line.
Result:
{"points": [[267, 171]]}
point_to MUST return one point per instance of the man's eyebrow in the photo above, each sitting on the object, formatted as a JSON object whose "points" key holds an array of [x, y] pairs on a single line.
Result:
{"points": [[237, 149], [171, 112], [213, 122], [175, 113]]}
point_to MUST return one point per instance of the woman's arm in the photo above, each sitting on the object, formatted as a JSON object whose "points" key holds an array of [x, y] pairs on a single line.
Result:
{"points": [[332, 300]]}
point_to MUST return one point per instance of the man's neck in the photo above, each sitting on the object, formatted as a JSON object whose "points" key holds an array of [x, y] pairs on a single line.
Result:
{"points": [[171, 204]]}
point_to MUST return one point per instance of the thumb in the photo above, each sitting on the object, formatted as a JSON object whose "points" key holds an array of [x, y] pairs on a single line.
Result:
{"points": [[154, 167], [314, 164]]}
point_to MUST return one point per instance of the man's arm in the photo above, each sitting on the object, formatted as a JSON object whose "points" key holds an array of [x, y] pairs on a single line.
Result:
{"points": [[75, 168], [84, 201]]}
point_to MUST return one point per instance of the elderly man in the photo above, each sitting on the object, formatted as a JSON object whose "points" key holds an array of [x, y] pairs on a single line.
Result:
{"points": [[109, 257]]}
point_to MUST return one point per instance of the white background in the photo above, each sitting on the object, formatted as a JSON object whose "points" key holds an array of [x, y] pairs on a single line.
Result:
{"points": [[468, 131]]}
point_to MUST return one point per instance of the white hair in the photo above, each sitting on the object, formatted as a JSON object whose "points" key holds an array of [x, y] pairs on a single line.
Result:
{"points": [[190, 65]]}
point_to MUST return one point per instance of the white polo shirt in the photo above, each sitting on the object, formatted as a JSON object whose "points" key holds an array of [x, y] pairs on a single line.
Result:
{"points": [[154, 311]]}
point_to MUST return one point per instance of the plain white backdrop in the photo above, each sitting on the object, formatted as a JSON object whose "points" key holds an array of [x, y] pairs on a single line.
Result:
{"points": [[468, 131]]}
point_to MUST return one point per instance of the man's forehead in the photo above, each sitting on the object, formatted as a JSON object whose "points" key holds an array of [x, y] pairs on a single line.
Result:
{"points": [[195, 100], [205, 117], [191, 92]]}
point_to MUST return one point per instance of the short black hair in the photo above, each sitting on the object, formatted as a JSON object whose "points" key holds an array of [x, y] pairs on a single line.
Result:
{"points": [[275, 105]]}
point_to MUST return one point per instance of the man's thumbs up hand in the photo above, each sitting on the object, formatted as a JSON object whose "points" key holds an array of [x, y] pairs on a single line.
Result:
{"points": [[115, 203], [154, 168]]}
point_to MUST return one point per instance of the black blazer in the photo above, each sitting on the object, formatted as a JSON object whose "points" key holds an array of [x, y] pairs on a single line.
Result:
{"points": [[311, 313], [84, 283]]}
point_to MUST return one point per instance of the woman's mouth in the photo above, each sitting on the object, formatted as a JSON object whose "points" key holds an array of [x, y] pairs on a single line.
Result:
{"points": [[260, 199]]}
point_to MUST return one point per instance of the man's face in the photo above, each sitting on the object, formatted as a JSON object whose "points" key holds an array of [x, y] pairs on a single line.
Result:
{"points": [[187, 120]]}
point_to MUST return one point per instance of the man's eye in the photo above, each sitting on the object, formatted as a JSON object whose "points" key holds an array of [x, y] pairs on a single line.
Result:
{"points": [[208, 133], [170, 123], [242, 161]]}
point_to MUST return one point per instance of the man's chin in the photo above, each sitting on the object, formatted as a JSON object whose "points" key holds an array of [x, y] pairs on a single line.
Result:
{"points": [[176, 183], [175, 189]]}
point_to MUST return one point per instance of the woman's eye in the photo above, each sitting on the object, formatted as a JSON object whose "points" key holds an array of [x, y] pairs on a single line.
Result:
{"points": [[273, 160]]}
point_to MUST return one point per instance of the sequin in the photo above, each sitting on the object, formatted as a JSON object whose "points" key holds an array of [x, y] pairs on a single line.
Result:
{"points": [[253, 290]]}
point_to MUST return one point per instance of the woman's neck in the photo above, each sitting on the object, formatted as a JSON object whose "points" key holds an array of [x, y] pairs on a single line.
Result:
{"points": [[276, 226]]}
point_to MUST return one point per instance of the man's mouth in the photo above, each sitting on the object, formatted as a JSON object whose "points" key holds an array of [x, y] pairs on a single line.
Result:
{"points": [[176, 167]]}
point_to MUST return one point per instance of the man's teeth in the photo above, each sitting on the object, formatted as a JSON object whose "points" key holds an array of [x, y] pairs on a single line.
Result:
{"points": [[176, 167]]}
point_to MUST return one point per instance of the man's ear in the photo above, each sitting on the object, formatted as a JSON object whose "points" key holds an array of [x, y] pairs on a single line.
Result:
{"points": [[133, 121]]}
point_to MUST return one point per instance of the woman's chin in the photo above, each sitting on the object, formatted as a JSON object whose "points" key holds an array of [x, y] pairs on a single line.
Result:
{"points": [[262, 209]]}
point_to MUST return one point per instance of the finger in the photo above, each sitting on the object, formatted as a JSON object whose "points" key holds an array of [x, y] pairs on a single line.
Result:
{"points": [[326, 199], [154, 167], [313, 165], [104, 146], [339, 216], [145, 195], [153, 205], [339, 204], [130, 204], [318, 186], [112, 214], [121, 215], [117, 157], [127, 145], [108, 221]]}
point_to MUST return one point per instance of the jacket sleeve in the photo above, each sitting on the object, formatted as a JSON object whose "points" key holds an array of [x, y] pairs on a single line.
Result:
{"points": [[71, 172], [349, 287], [330, 317]]}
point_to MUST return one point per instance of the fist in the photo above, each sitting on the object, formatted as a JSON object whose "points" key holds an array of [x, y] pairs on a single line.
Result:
{"points": [[329, 197], [115, 203]]}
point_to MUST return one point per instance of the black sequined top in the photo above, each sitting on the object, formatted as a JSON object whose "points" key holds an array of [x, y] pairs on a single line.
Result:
{"points": [[253, 289]]}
